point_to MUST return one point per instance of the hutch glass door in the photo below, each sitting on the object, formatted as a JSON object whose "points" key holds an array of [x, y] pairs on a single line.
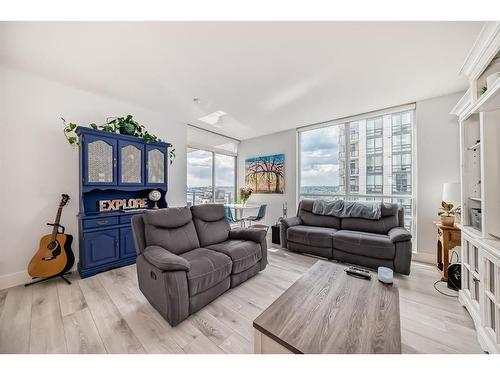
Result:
{"points": [[156, 167], [131, 162], [99, 161]]}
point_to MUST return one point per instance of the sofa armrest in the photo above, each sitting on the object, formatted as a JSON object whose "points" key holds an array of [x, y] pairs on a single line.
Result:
{"points": [[165, 260], [285, 224], [255, 235], [291, 221], [399, 234], [248, 234]]}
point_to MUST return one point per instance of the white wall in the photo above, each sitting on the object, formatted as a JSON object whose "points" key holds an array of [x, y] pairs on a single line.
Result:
{"points": [[437, 162], [37, 164], [278, 143]]}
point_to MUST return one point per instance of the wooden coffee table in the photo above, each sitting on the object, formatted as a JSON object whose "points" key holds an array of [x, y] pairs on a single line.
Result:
{"points": [[328, 311]]}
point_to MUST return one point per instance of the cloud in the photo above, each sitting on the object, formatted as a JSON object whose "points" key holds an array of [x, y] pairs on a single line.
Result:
{"points": [[319, 157], [199, 169]]}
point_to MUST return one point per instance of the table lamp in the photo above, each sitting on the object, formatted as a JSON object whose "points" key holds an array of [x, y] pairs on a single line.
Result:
{"points": [[451, 193]]}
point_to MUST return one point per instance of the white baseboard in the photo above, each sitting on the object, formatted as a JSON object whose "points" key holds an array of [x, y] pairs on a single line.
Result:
{"points": [[424, 257], [14, 279], [18, 278]]}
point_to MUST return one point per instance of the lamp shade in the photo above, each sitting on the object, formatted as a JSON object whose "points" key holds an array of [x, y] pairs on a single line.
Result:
{"points": [[451, 193]]}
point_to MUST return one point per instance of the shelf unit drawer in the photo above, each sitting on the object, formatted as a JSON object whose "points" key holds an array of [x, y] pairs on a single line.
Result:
{"points": [[100, 222]]}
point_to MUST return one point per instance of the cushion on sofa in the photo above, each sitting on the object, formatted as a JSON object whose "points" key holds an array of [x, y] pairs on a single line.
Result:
{"points": [[310, 235], [388, 220], [244, 254], [170, 228], [381, 226], [207, 269], [211, 223], [364, 244], [308, 218]]}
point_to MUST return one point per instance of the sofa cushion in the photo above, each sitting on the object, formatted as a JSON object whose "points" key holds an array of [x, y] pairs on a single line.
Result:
{"points": [[207, 268], [310, 235], [172, 217], [244, 254], [364, 244], [388, 220], [170, 228], [308, 218], [211, 223]]}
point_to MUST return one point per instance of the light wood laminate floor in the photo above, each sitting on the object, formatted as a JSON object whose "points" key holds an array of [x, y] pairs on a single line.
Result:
{"points": [[108, 314]]}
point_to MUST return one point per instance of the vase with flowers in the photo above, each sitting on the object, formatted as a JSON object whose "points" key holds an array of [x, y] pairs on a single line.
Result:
{"points": [[448, 213], [245, 193]]}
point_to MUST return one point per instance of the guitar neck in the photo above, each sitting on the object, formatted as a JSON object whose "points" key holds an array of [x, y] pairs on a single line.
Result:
{"points": [[56, 223]]}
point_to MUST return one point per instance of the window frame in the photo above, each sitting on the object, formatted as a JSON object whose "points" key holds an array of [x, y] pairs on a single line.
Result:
{"points": [[214, 153], [405, 199]]}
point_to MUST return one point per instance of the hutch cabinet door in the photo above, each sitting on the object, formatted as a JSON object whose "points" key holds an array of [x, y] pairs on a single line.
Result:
{"points": [[127, 246], [131, 162], [100, 247], [156, 165], [99, 160]]}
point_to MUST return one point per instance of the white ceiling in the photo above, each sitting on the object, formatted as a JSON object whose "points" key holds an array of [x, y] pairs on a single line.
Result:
{"points": [[268, 76]]}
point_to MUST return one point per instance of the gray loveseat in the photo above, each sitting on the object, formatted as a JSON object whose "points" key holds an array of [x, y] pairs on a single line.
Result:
{"points": [[189, 257], [369, 243]]}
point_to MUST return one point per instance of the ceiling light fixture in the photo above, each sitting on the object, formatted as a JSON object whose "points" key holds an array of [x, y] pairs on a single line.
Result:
{"points": [[214, 118]]}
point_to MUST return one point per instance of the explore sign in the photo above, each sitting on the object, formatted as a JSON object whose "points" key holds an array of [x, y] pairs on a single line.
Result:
{"points": [[122, 204]]}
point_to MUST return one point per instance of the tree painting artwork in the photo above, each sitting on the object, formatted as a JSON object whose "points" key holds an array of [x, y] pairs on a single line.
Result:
{"points": [[266, 174]]}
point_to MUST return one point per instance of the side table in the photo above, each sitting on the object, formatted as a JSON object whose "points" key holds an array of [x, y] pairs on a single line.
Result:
{"points": [[447, 239]]}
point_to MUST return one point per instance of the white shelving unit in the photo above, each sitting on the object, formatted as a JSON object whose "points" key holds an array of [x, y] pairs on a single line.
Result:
{"points": [[479, 120]]}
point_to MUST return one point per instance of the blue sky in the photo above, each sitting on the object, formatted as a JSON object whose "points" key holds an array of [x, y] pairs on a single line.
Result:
{"points": [[319, 161], [319, 158], [280, 157], [199, 169]]}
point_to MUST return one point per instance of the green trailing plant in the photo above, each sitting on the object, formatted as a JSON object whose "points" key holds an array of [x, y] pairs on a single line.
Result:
{"points": [[69, 132], [484, 89], [124, 125]]}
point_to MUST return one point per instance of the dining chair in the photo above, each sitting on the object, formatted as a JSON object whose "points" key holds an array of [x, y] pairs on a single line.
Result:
{"points": [[229, 215], [259, 217]]}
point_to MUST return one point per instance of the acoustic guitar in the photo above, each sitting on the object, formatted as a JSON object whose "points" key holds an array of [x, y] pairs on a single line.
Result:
{"points": [[54, 256]]}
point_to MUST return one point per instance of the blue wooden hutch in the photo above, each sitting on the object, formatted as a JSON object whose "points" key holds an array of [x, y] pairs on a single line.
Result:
{"points": [[115, 167]]}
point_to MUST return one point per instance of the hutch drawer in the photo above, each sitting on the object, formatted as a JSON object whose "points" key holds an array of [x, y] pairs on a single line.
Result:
{"points": [[126, 219], [100, 222]]}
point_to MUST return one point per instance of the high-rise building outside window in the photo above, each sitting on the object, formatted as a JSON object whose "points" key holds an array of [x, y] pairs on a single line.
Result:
{"points": [[366, 159]]}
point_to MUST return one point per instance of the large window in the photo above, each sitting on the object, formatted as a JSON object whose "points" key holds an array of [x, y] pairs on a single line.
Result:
{"points": [[210, 177], [367, 159], [322, 156]]}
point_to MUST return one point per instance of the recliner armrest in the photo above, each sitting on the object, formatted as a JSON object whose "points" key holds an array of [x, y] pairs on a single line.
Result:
{"points": [[291, 221], [165, 260], [248, 234], [399, 234]]}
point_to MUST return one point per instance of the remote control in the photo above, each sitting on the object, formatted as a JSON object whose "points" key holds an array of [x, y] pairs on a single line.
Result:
{"points": [[358, 272]]}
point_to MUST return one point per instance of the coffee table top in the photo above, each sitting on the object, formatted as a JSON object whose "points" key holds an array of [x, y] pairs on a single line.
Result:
{"points": [[328, 311]]}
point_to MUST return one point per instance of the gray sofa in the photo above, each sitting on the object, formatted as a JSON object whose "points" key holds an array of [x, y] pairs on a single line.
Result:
{"points": [[369, 243], [189, 257]]}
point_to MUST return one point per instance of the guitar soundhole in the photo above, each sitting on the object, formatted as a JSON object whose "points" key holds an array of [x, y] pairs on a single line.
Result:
{"points": [[52, 246]]}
